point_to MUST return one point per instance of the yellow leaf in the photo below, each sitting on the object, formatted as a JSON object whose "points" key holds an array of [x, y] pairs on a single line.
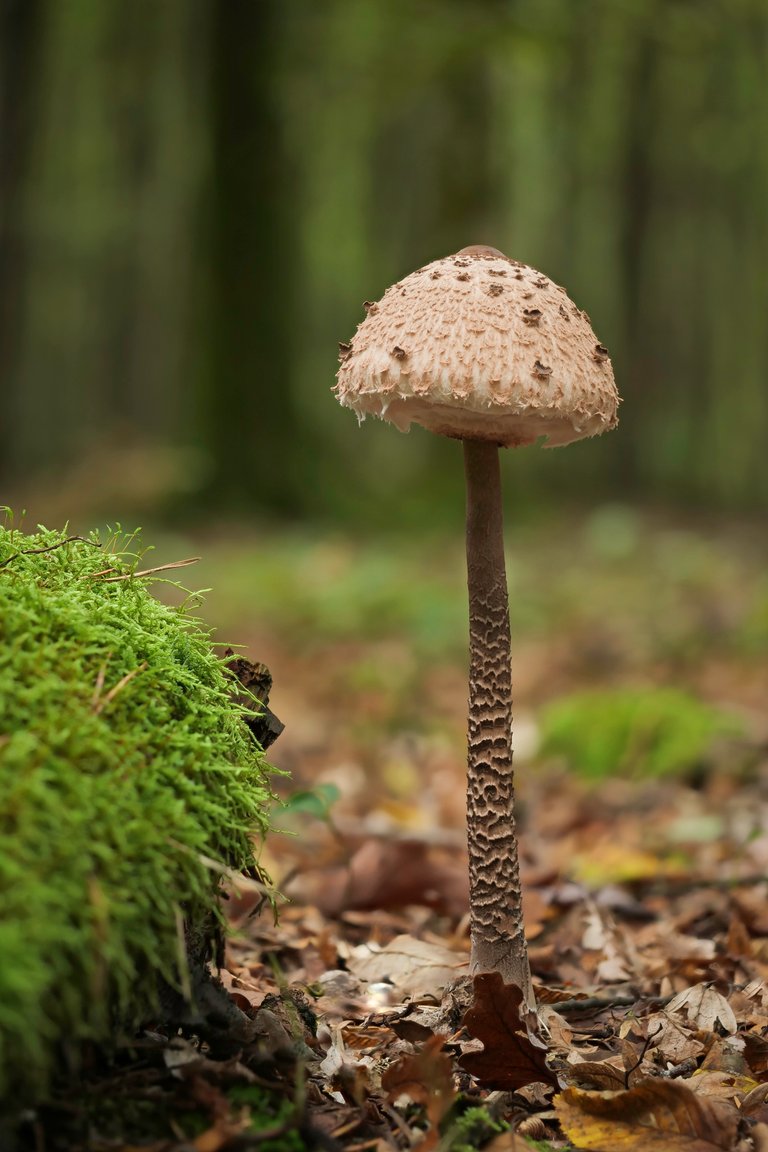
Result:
{"points": [[655, 1116]]}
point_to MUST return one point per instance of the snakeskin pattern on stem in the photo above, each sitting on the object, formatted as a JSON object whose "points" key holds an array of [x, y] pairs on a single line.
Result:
{"points": [[498, 940]]}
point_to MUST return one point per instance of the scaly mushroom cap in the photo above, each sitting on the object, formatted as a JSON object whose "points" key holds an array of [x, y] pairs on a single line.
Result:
{"points": [[478, 346]]}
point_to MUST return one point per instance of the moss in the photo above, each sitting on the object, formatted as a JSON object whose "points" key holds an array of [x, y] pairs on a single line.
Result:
{"points": [[268, 1114], [156, 1107], [125, 770], [645, 732], [474, 1128]]}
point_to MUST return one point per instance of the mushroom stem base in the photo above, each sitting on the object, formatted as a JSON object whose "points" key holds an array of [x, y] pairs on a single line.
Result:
{"points": [[496, 914]]}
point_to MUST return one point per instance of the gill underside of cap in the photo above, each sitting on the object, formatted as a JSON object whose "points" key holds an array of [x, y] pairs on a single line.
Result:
{"points": [[498, 426]]}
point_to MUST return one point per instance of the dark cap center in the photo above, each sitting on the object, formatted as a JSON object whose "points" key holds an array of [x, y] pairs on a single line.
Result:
{"points": [[481, 250]]}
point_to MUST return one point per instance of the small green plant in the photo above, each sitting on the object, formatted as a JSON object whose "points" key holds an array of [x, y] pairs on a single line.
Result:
{"points": [[316, 802], [645, 732], [274, 1122], [129, 783], [471, 1130]]}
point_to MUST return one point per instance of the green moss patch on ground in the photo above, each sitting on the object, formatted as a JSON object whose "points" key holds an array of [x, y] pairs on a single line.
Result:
{"points": [[125, 771], [634, 731]]}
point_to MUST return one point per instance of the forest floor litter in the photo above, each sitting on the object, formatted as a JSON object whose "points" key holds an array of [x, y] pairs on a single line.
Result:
{"points": [[646, 906]]}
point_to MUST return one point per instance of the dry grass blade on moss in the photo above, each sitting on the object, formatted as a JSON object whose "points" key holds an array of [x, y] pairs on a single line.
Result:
{"points": [[134, 575], [48, 548]]}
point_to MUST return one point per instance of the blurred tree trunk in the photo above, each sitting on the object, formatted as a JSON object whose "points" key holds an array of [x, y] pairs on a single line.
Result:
{"points": [[248, 422], [635, 189], [19, 52], [197, 197], [71, 300], [100, 126]]}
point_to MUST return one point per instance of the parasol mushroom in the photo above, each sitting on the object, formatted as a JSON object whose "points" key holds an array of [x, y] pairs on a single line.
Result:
{"points": [[486, 350]]}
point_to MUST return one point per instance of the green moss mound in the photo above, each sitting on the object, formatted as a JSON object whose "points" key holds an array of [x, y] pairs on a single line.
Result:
{"points": [[126, 770], [642, 732]]}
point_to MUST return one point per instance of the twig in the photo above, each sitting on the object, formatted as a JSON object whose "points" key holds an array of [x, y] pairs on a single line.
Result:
{"points": [[101, 704], [592, 1003], [50, 548], [244, 1141], [185, 980], [646, 1045], [240, 881], [100, 682], [398, 1121], [144, 571], [429, 837]]}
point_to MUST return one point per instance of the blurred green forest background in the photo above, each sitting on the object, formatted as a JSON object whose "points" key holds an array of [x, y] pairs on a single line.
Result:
{"points": [[197, 198], [198, 195]]}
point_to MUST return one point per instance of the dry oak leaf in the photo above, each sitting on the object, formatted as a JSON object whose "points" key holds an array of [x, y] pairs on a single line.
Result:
{"points": [[751, 1005], [511, 1057], [756, 1054], [722, 1086], [595, 1074], [755, 1104], [415, 967], [655, 1116], [725, 1054], [427, 1077], [704, 1007], [673, 1039]]}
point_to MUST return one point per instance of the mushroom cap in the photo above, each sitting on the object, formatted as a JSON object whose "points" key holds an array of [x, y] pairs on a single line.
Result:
{"points": [[478, 346]]}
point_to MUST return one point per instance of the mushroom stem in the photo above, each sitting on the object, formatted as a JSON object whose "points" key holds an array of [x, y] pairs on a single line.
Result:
{"points": [[496, 915]]}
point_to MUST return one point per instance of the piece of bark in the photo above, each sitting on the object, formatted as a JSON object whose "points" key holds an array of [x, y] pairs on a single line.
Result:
{"points": [[257, 680]]}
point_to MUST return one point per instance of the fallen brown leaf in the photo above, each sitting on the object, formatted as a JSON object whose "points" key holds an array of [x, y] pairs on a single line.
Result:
{"points": [[738, 941], [352, 1075], [756, 1054], [655, 1116], [673, 1039], [387, 874], [220, 1135], [755, 1104], [596, 1074], [415, 967], [511, 1058], [725, 1054], [705, 1007], [759, 1136], [427, 1078], [722, 1086]]}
